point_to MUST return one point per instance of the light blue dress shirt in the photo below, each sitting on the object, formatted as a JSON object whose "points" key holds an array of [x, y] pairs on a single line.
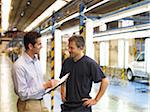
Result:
{"points": [[28, 78]]}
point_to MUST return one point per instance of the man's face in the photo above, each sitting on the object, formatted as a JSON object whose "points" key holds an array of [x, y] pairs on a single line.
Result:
{"points": [[73, 49], [37, 46]]}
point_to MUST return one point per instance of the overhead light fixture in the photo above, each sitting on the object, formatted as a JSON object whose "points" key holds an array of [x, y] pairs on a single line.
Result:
{"points": [[22, 13], [5, 8], [28, 3], [67, 0], [96, 5], [47, 13], [14, 29]]}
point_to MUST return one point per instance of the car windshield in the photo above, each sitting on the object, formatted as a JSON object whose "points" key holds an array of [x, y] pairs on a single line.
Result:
{"points": [[141, 57]]}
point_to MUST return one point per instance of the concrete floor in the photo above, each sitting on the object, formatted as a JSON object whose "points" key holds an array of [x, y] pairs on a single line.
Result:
{"points": [[121, 96]]}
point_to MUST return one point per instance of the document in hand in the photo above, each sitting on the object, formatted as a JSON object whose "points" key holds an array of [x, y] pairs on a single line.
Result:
{"points": [[61, 81]]}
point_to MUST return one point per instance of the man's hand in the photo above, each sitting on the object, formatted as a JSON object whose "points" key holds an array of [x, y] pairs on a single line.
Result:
{"points": [[63, 92], [63, 98], [51, 83], [89, 102]]}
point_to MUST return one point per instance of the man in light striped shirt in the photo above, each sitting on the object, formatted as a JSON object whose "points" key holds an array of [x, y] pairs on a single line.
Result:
{"points": [[27, 77]]}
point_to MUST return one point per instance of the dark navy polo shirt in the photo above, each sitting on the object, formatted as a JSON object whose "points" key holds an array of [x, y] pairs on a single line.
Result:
{"points": [[82, 74]]}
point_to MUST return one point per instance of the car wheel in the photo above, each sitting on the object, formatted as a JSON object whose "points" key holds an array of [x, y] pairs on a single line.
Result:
{"points": [[130, 75]]}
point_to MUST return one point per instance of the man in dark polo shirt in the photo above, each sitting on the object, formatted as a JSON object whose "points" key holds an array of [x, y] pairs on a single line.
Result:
{"points": [[83, 72]]}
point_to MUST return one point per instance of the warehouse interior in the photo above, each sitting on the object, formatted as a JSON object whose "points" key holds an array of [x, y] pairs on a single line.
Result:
{"points": [[117, 34]]}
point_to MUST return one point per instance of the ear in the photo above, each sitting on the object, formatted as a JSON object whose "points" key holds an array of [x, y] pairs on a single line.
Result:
{"points": [[30, 46], [82, 48]]}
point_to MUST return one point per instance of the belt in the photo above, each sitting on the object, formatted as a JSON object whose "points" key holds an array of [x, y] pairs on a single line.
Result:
{"points": [[40, 99], [35, 99]]}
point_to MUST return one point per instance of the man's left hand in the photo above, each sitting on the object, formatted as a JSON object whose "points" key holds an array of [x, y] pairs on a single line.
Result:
{"points": [[89, 102]]}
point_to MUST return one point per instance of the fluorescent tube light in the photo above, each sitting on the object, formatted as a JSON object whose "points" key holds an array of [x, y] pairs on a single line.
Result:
{"points": [[5, 8], [47, 13]]}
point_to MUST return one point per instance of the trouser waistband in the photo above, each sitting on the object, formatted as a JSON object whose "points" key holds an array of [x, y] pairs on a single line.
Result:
{"points": [[32, 100]]}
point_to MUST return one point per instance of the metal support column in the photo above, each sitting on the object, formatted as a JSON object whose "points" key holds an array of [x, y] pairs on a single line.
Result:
{"points": [[82, 25], [89, 38], [52, 61], [122, 59]]}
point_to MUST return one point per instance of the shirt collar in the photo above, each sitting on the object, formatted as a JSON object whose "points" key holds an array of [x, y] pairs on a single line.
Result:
{"points": [[28, 59]]}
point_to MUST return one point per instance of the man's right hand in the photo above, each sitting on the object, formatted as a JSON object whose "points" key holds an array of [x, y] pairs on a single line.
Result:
{"points": [[63, 98], [63, 93], [50, 83]]}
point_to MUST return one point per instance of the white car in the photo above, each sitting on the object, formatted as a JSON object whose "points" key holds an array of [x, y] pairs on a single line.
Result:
{"points": [[137, 68]]}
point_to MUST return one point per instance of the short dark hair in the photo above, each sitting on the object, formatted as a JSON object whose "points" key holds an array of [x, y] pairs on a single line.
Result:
{"points": [[30, 38], [79, 40]]}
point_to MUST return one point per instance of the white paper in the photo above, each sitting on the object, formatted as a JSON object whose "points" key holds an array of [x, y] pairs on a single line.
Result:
{"points": [[62, 80]]}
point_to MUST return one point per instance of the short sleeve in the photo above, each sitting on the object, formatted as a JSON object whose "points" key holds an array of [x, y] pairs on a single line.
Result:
{"points": [[65, 67], [97, 73], [62, 71]]}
